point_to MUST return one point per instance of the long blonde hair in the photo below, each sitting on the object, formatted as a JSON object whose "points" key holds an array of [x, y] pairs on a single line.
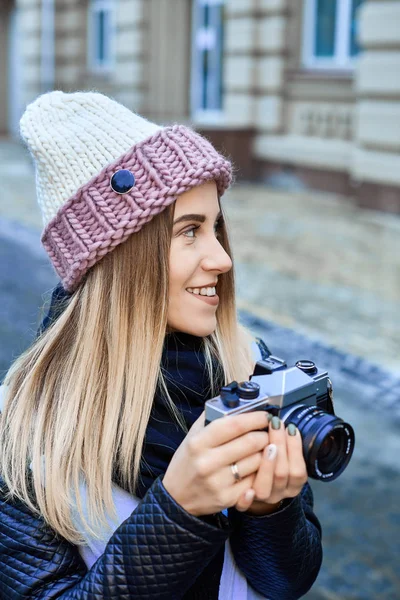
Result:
{"points": [[82, 394]]}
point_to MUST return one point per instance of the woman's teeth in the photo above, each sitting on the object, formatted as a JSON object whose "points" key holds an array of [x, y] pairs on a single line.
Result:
{"points": [[209, 291]]}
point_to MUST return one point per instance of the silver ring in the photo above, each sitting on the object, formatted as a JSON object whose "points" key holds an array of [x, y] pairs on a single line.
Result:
{"points": [[235, 472]]}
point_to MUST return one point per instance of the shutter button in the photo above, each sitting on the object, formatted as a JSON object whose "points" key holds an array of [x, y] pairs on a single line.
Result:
{"points": [[229, 395]]}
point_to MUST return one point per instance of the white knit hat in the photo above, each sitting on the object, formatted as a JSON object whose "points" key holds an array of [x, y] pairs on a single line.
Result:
{"points": [[102, 172], [73, 137]]}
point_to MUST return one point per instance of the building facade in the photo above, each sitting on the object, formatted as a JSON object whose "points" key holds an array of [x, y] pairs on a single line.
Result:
{"points": [[308, 88]]}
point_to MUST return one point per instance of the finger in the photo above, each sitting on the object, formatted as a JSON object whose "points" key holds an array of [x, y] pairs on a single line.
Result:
{"points": [[225, 429], [277, 435], [264, 481], [240, 448], [225, 478], [236, 491], [245, 501], [297, 466], [247, 466]]}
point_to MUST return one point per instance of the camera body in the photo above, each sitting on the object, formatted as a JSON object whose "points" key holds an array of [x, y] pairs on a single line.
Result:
{"points": [[303, 395]]}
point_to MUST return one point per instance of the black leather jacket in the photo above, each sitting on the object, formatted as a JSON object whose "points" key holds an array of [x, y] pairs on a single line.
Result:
{"points": [[159, 551]]}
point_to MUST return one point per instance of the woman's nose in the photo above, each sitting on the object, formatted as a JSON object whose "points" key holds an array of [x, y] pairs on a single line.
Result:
{"points": [[217, 259]]}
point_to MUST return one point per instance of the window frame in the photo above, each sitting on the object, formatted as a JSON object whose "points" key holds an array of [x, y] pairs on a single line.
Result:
{"points": [[94, 65], [341, 59], [198, 113]]}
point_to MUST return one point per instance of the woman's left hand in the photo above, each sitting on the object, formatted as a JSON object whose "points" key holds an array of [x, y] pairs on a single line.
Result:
{"points": [[282, 472]]}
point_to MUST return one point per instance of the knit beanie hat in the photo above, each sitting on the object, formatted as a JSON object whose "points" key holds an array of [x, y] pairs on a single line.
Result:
{"points": [[102, 172]]}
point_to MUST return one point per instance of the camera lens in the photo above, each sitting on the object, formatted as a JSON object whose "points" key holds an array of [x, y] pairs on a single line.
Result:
{"points": [[328, 442], [327, 445]]}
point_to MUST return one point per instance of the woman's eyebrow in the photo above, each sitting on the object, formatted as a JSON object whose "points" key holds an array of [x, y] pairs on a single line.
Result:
{"points": [[195, 217]]}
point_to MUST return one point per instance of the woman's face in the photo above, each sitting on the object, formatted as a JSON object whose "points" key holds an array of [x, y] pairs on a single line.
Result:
{"points": [[196, 261]]}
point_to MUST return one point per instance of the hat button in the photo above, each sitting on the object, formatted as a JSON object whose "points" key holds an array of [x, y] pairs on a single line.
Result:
{"points": [[122, 181]]}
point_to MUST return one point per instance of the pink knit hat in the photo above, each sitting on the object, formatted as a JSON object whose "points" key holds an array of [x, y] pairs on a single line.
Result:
{"points": [[102, 172]]}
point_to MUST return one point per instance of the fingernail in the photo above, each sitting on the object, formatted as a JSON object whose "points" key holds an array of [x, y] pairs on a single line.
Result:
{"points": [[292, 429], [249, 495], [271, 451], [276, 423], [269, 417]]}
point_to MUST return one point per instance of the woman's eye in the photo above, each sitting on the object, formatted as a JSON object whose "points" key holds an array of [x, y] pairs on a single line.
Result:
{"points": [[190, 233]]}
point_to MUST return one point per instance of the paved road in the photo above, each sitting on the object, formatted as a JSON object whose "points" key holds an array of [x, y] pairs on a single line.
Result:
{"points": [[317, 264], [25, 277]]}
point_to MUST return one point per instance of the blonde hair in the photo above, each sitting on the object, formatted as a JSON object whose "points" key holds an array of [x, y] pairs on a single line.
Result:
{"points": [[82, 394]]}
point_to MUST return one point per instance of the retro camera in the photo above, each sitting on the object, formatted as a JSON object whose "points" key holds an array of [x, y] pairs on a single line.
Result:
{"points": [[302, 395]]}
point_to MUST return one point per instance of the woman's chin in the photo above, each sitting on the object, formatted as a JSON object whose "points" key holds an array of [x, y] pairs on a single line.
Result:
{"points": [[203, 332], [200, 329]]}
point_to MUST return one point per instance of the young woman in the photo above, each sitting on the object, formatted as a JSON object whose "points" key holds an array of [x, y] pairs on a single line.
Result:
{"points": [[111, 485]]}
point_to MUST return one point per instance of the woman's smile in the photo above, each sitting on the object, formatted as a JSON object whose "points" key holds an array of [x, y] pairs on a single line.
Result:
{"points": [[212, 300]]}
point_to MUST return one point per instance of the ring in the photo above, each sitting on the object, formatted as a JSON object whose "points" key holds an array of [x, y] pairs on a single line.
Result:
{"points": [[235, 472]]}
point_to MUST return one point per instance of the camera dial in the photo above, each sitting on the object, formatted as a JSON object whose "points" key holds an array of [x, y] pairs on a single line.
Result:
{"points": [[248, 390], [308, 366]]}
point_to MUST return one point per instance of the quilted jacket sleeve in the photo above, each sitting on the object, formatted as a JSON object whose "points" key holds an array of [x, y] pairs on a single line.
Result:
{"points": [[156, 553], [280, 554]]}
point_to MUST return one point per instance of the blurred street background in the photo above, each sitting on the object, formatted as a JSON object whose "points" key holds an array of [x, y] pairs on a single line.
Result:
{"points": [[304, 96]]}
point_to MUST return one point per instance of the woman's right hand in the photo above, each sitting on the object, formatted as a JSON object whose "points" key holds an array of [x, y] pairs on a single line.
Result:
{"points": [[199, 476]]}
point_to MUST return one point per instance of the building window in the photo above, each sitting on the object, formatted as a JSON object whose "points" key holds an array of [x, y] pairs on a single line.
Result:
{"points": [[207, 48], [330, 33], [100, 35]]}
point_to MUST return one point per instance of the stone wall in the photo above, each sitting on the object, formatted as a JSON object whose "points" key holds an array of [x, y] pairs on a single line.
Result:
{"points": [[30, 30], [376, 152], [339, 130], [316, 106]]}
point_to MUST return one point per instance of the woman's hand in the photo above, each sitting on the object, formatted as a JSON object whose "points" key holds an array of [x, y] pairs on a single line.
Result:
{"points": [[282, 472], [199, 476]]}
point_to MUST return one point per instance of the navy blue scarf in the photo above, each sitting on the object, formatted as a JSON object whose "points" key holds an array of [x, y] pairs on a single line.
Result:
{"points": [[183, 367]]}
